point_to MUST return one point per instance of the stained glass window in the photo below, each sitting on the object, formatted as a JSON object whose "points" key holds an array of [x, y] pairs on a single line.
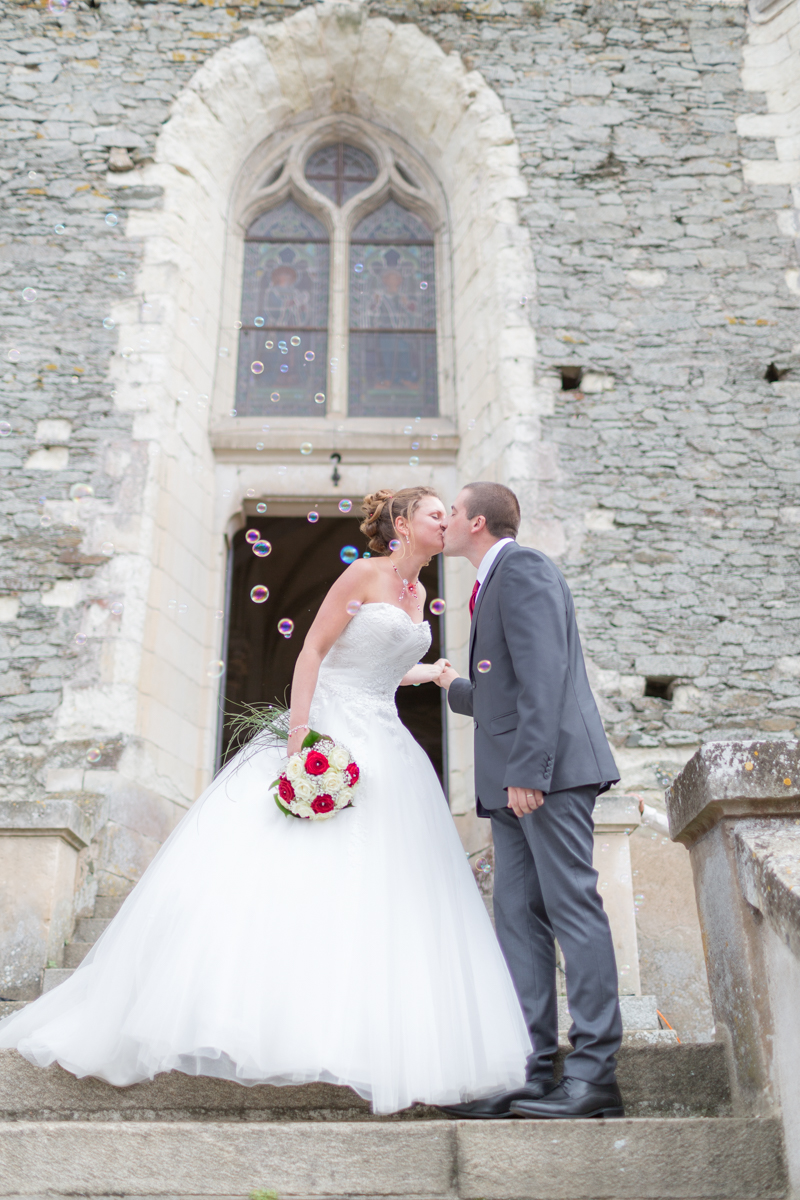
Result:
{"points": [[340, 171], [283, 343], [392, 316]]}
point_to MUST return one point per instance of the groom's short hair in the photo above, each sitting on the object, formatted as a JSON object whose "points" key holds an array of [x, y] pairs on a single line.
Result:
{"points": [[497, 504]]}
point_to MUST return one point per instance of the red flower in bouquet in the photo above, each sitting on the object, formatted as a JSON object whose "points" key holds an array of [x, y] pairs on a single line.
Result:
{"points": [[285, 789], [316, 763], [352, 771], [322, 804]]}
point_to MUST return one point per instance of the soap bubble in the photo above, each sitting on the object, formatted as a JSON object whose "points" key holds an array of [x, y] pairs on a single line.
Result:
{"points": [[286, 627], [284, 349], [484, 665], [259, 594], [13, 356], [257, 367], [116, 608], [45, 520], [59, 228], [182, 608], [306, 448], [358, 268], [319, 398], [258, 322], [5, 428], [215, 668], [348, 554], [345, 506], [334, 363], [94, 755], [413, 461], [223, 352], [309, 355], [408, 429], [312, 518], [471, 425], [281, 470], [274, 397], [80, 492], [250, 493], [252, 536], [415, 445], [108, 322], [366, 554], [269, 344], [261, 549], [438, 607], [352, 607], [295, 340], [423, 285], [127, 352], [80, 639], [112, 219], [107, 548], [394, 544], [284, 368], [483, 865], [29, 295], [261, 507], [259, 445]]}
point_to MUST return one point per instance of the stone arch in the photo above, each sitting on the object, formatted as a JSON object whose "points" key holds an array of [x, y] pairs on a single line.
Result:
{"points": [[327, 58]]}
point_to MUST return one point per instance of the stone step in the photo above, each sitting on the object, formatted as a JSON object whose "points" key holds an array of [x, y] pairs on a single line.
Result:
{"points": [[7, 1007], [53, 976], [627, 1159], [638, 1012], [88, 929], [108, 906], [74, 954], [672, 1081]]}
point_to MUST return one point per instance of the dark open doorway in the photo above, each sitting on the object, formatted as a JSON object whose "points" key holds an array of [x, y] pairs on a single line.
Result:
{"points": [[304, 562]]}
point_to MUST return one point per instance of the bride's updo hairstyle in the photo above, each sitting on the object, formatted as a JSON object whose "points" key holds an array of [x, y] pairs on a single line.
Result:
{"points": [[381, 510]]}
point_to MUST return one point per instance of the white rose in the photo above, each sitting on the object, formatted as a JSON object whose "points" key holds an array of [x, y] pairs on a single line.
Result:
{"points": [[305, 789], [332, 781], [339, 758], [344, 798], [295, 768], [325, 816], [303, 810]]}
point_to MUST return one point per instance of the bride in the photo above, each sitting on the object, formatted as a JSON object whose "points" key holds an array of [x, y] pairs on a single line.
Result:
{"points": [[265, 949]]}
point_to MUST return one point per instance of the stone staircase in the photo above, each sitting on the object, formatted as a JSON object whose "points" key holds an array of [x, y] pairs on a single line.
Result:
{"points": [[180, 1136]]}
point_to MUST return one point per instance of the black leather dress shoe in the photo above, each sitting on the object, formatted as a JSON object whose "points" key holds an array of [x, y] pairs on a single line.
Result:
{"points": [[572, 1098], [492, 1108]]}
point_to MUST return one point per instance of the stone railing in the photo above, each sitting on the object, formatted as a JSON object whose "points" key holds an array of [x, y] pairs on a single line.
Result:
{"points": [[736, 806]]}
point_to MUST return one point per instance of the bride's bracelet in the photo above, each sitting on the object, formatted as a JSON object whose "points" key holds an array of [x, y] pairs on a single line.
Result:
{"points": [[297, 729]]}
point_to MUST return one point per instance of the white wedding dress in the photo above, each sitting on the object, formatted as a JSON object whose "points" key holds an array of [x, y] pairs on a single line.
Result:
{"points": [[264, 949]]}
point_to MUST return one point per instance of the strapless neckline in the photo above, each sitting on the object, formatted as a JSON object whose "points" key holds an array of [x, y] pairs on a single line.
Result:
{"points": [[396, 607]]}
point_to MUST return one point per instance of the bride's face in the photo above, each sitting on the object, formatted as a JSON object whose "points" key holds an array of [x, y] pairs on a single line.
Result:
{"points": [[426, 527]]}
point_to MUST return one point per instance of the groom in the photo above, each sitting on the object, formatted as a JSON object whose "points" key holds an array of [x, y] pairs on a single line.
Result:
{"points": [[541, 757]]}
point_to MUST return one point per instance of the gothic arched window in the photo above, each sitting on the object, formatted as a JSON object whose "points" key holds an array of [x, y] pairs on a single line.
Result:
{"points": [[339, 321]]}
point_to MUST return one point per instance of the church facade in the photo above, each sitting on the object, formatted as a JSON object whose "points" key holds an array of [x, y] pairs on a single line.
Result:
{"points": [[259, 260]]}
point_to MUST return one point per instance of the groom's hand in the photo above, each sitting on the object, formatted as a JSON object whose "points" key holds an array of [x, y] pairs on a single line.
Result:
{"points": [[447, 676], [524, 800]]}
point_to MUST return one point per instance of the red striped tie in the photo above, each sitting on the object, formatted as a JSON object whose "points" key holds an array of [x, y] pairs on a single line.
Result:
{"points": [[473, 598]]}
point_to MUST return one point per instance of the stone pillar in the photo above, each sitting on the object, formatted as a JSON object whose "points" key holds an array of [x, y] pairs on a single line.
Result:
{"points": [[39, 847], [615, 818], [736, 806]]}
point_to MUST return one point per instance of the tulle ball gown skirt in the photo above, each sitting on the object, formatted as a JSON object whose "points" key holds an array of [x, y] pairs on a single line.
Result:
{"points": [[265, 949]]}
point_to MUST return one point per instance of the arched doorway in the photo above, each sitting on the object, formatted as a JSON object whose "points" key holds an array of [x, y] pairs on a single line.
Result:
{"points": [[304, 561]]}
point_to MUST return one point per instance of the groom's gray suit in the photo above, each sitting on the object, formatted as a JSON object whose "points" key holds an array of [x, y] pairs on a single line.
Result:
{"points": [[537, 727]]}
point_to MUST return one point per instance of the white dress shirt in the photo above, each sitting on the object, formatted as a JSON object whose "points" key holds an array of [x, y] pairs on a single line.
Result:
{"points": [[488, 559]]}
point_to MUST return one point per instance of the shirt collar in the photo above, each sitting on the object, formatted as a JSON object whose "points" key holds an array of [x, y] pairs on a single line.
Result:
{"points": [[489, 557]]}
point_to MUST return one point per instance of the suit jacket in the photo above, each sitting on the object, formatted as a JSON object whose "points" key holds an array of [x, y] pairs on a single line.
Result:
{"points": [[536, 720]]}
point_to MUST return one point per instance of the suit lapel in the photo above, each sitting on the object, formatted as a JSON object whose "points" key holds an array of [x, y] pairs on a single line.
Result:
{"points": [[479, 600]]}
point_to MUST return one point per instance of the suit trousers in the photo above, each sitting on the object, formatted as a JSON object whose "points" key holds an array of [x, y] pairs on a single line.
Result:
{"points": [[546, 889]]}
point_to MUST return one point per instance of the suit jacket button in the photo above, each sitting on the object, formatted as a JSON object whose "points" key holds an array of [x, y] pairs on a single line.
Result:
{"points": [[476, 724]]}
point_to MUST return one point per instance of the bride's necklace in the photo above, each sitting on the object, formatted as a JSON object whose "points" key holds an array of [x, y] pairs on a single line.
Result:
{"points": [[412, 588]]}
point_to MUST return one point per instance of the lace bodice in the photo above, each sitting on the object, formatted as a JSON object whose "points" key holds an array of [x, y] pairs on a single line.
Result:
{"points": [[373, 653]]}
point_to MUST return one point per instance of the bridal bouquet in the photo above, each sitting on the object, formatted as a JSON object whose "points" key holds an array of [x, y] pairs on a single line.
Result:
{"points": [[319, 781]]}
